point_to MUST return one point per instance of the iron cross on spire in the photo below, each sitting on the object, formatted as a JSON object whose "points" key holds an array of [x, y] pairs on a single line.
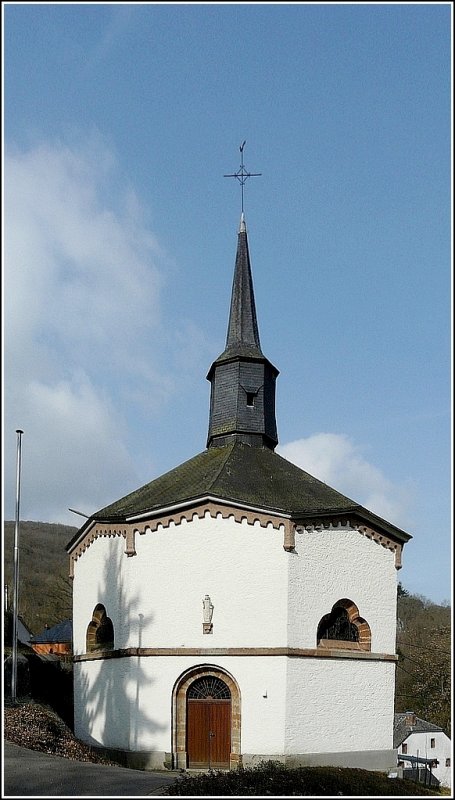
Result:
{"points": [[241, 173]]}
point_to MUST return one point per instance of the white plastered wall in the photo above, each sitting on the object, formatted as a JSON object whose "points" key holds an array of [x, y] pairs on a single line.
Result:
{"points": [[262, 597], [155, 597], [354, 701], [126, 703], [335, 563]]}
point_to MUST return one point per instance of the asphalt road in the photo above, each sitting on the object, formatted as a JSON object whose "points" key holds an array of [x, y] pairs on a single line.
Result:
{"points": [[31, 773]]}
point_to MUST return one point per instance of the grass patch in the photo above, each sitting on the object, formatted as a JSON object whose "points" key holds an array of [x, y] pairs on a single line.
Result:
{"points": [[271, 778]]}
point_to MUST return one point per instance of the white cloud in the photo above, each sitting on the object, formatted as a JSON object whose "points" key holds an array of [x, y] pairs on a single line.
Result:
{"points": [[80, 275], [82, 282], [73, 450], [336, 460]]}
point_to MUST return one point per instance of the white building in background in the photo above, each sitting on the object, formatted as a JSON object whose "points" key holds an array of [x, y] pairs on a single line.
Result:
{"points": [[417, 737], [236, 608]]}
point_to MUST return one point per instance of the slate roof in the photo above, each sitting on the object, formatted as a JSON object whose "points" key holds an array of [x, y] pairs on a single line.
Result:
{"points": [[253, 476], [242, 339], [62, 632], [23, 633], [243, 332], [401, 730]]}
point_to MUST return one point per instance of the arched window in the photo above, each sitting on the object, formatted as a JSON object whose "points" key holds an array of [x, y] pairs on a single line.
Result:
{"points": [[343, 628], [209, 687], [100, 631], [336, 625]]}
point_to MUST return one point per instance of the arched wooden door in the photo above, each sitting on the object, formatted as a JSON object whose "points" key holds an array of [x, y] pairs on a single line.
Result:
{"points": [[208, 726]]}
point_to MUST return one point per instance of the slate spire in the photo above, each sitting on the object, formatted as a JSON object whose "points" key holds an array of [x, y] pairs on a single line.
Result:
{"points": [[243, 329], [242, 403]]}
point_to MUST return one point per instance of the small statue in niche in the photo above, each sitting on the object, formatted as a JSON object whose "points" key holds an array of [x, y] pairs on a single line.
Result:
{"points": [[207, 613]]}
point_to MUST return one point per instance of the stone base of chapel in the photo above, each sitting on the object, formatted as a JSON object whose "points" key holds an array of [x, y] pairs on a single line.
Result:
{"points": [[138, 759], [374, 760]]}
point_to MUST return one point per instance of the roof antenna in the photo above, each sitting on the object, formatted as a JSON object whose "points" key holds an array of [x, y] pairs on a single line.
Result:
{"points": [[79, 512], [241, 173]]}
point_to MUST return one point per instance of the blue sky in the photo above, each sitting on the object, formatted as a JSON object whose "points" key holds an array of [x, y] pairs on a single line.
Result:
{"points": [[119, 124]]}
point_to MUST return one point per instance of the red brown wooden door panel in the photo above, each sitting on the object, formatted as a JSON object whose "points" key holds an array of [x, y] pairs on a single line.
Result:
{"points": [[208, 733]]}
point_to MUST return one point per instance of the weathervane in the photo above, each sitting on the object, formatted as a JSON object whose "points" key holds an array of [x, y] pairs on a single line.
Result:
{"points": [[242, 174]]}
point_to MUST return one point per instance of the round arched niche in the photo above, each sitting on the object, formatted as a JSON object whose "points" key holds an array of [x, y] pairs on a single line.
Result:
{"points": [[179, 712]]}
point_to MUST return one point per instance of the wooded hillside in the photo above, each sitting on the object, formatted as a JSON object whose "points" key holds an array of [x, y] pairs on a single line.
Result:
{"points": [[423, 678], [45, 591]]}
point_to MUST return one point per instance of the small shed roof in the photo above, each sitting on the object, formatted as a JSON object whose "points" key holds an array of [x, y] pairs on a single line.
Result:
{"points": [[62, 632], [23, 632]]}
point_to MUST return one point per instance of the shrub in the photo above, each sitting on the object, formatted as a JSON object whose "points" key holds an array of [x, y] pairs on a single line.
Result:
{"points": [[271, 778]]}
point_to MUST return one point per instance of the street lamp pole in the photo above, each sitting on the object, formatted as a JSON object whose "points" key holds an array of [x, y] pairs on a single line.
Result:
{"points": [[16, 566]]}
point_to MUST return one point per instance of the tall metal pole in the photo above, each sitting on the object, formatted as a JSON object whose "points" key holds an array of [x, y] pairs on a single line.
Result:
{"points": [[16, 566]]}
